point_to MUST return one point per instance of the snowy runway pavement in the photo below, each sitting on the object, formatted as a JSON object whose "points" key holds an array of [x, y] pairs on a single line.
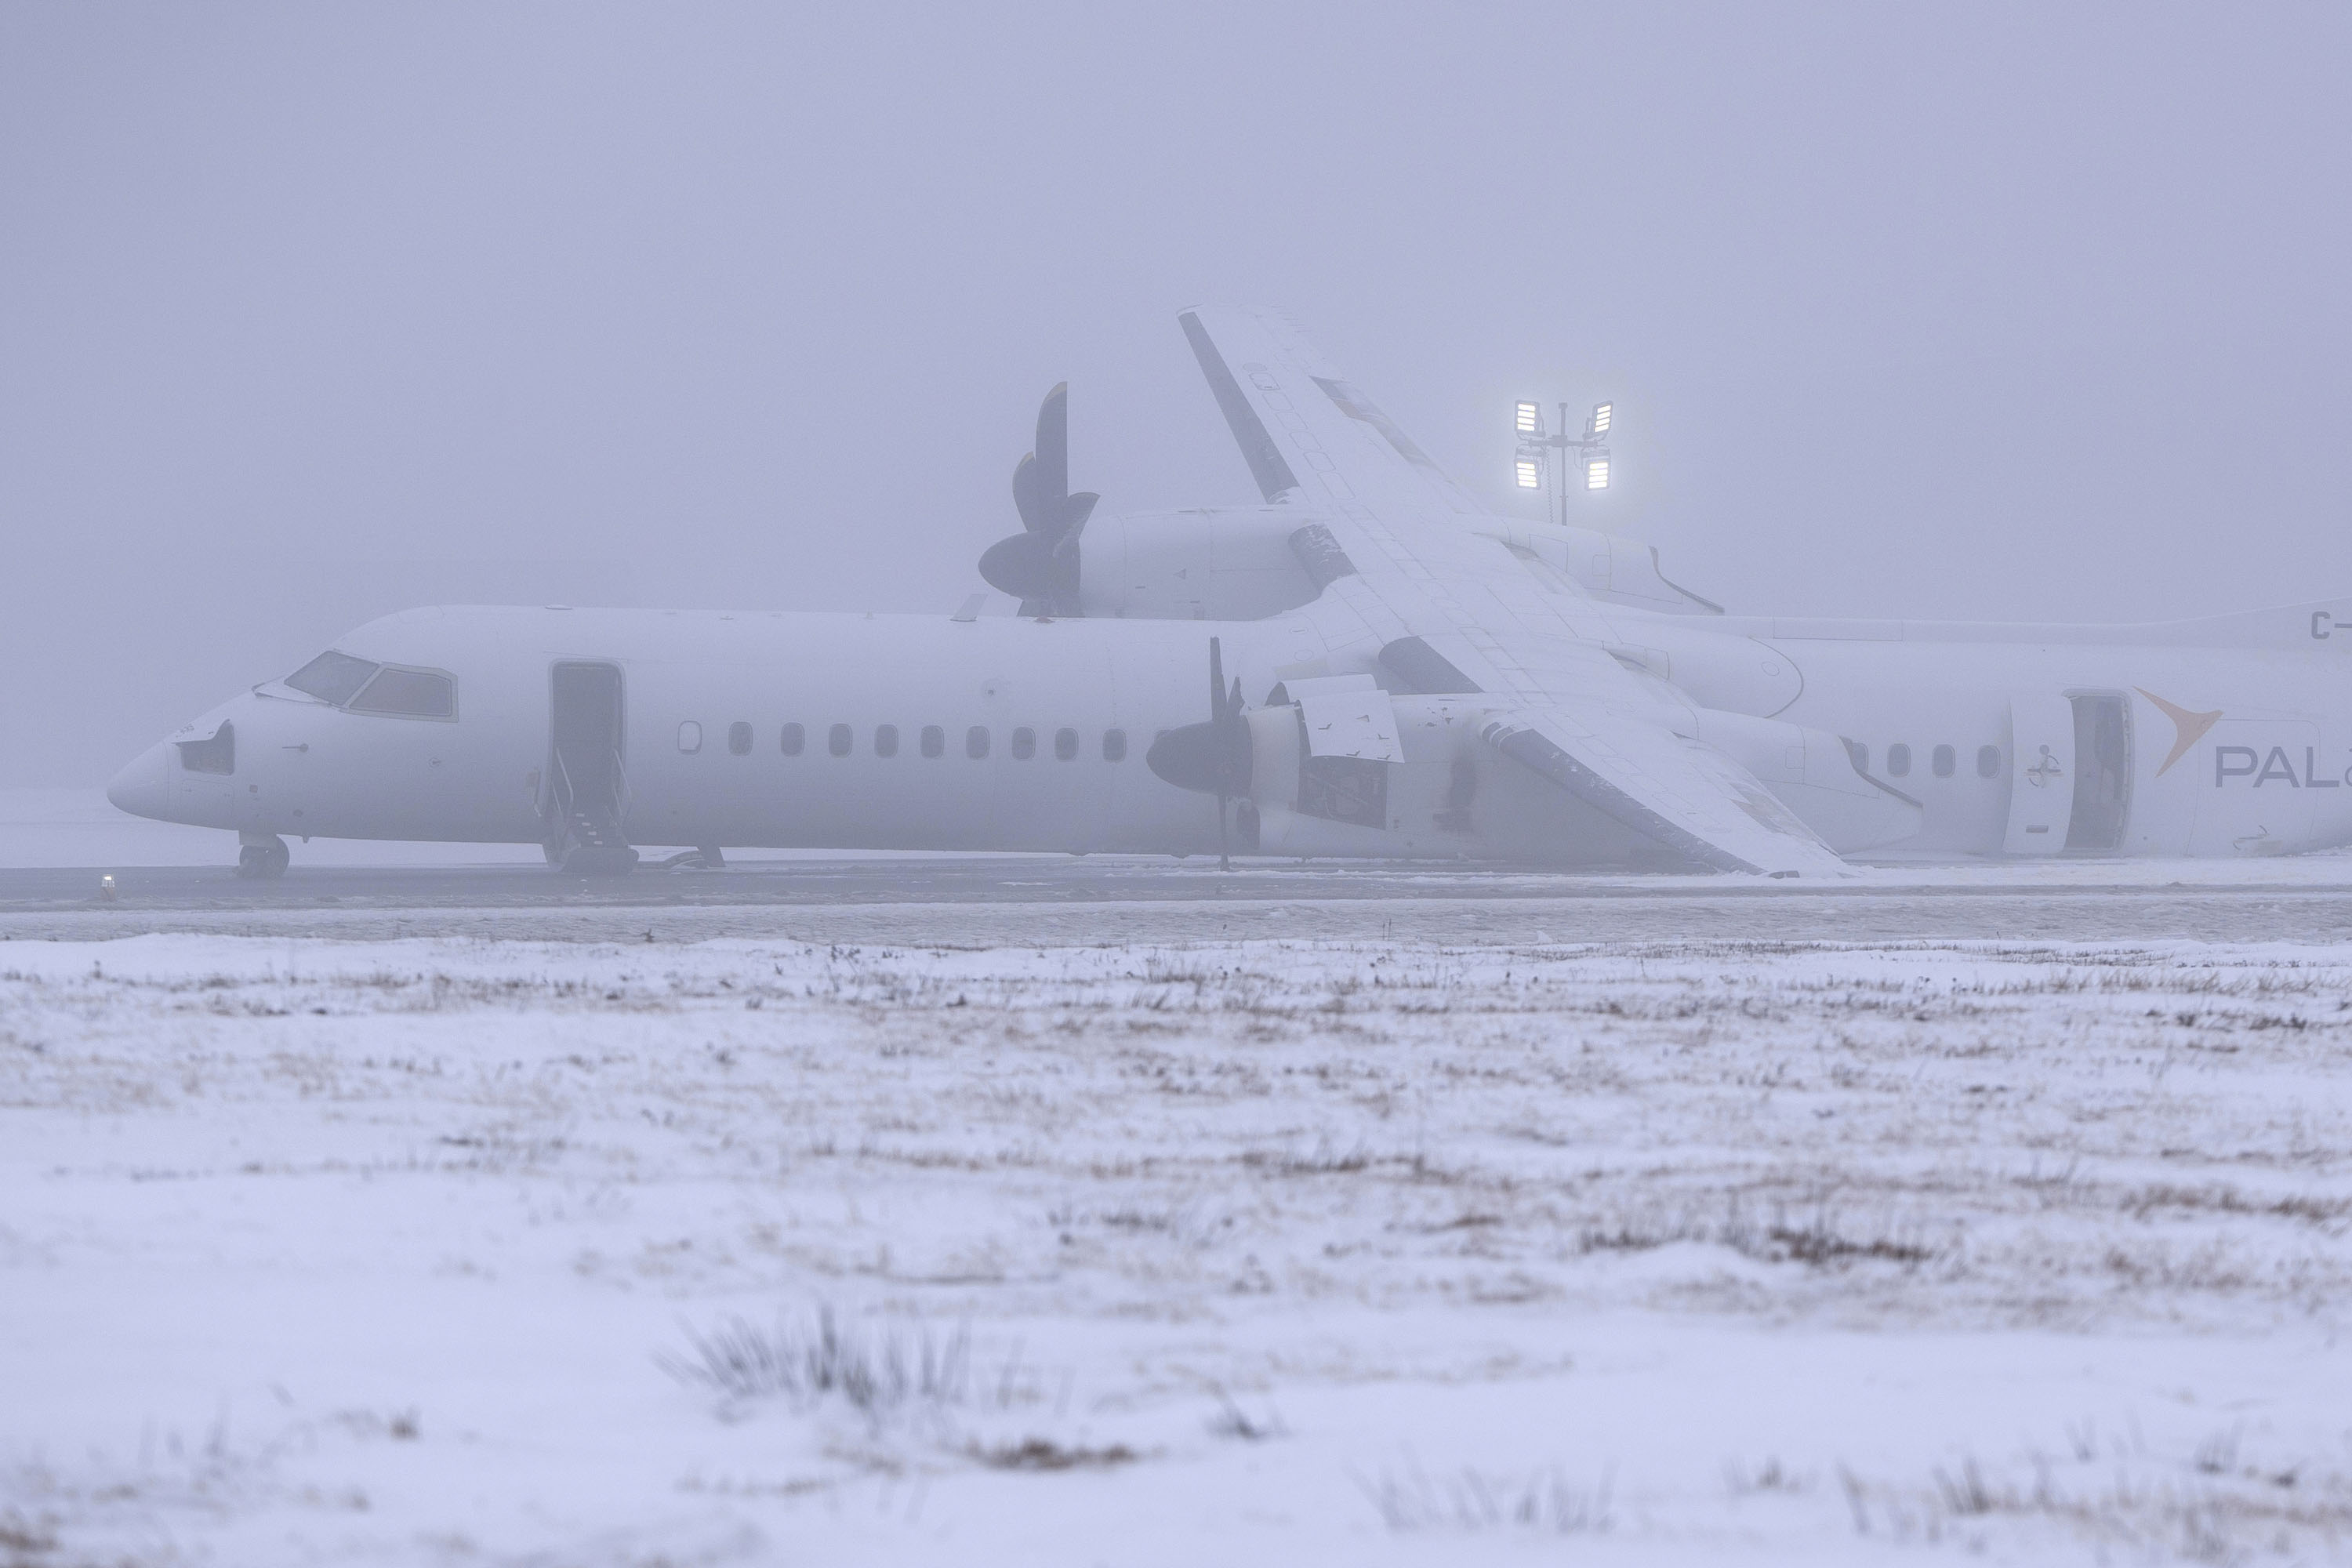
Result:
{"points": [[455, 1250]]}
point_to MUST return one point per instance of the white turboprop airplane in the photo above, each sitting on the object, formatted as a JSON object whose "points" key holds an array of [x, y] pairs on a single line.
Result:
{"points": [[1430, 679]]}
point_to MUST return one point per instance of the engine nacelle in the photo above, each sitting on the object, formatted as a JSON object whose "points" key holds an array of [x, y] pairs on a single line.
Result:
{"points": [[1212, 563], [1237, 563], [1612, 569]]}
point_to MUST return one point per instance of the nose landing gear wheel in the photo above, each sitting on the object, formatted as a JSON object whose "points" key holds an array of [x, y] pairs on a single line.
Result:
{"points": [[265, 861]]}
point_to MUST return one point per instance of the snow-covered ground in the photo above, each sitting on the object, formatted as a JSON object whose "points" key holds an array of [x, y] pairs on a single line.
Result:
{"points": [[453, 1251]]}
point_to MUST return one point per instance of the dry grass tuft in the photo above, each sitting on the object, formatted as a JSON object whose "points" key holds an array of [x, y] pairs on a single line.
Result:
{"points": [[1469, 1500], [1045, 1454], [804, 1366]]}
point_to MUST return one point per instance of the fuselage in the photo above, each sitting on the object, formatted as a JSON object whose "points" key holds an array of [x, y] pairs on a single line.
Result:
{"points": [[892, 731], [742, 730], [2213, 750]]}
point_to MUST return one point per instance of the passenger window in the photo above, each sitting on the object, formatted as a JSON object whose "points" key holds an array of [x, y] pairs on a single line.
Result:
{"points": [[1987, 762], [836, 739], [689, 736], [739, 738], [935, 741], [332, 677], [215, 754], [975, 741], [1898, 759], [1945, 761], [886, 741], [1114, 745], [1025, 744], [1065, 745], [795, 739], [408, 694]]}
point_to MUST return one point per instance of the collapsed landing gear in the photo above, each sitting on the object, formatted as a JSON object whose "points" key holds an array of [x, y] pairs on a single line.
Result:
{"points": [[262, 857]]}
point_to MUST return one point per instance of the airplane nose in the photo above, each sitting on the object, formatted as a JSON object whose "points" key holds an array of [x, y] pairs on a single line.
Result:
{"points": [[143, 789]]}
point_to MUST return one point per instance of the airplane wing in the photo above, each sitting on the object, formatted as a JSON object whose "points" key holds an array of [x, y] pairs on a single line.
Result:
{"points": [[1280, 405], [1447, 610]]}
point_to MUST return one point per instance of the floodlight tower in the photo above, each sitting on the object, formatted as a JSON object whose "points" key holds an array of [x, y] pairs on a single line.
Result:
{"points": [[1591, 449]]}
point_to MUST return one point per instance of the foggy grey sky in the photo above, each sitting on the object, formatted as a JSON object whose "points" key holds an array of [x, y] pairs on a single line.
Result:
{"points": [[309, 313]]}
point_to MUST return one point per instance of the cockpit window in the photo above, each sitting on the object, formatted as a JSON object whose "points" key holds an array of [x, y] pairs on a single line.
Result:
{"points": [[409, 693], [332, 677]]}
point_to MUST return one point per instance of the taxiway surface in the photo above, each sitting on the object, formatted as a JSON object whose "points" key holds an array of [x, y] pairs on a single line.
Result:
{"points": [[1001, 901]]}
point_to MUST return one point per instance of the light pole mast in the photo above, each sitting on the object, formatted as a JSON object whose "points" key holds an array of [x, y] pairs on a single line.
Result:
{"points": [[1559, 480], [1536, 442]]}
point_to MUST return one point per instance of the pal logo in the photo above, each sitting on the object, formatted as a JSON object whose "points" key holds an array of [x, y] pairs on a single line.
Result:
{"points": [[2274, 766]]}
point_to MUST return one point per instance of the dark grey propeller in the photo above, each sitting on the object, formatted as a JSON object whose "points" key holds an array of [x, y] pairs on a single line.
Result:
{"points": [[1213, 758], [1039, 565]]}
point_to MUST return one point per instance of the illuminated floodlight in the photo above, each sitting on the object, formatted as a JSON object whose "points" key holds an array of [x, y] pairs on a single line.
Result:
{"points": [[1530, 419], [1530, 471], [1596, 471], [1598, 423]]}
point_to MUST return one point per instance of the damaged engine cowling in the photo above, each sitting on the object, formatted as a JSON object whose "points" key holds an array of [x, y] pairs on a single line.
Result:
{"points": [[1336, 766]]}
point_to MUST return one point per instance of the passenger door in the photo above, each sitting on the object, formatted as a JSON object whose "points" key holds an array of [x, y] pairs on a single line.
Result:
{"points": [[2041, 773]]}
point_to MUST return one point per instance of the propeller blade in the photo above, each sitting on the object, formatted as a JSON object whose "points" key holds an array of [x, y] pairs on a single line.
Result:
{"points": [[1213, 756], [1022, 565], [1053, 477], [1061, 594], [1040, 565], [1034, 516]]}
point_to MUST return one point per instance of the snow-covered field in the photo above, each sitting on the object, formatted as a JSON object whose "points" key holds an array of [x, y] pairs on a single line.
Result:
{"points": [[454, 1251]]}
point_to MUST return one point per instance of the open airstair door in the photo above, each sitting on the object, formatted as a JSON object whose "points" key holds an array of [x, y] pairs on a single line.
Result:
{"points": [[588, 790], [2041, 773], [2070, 773]]}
